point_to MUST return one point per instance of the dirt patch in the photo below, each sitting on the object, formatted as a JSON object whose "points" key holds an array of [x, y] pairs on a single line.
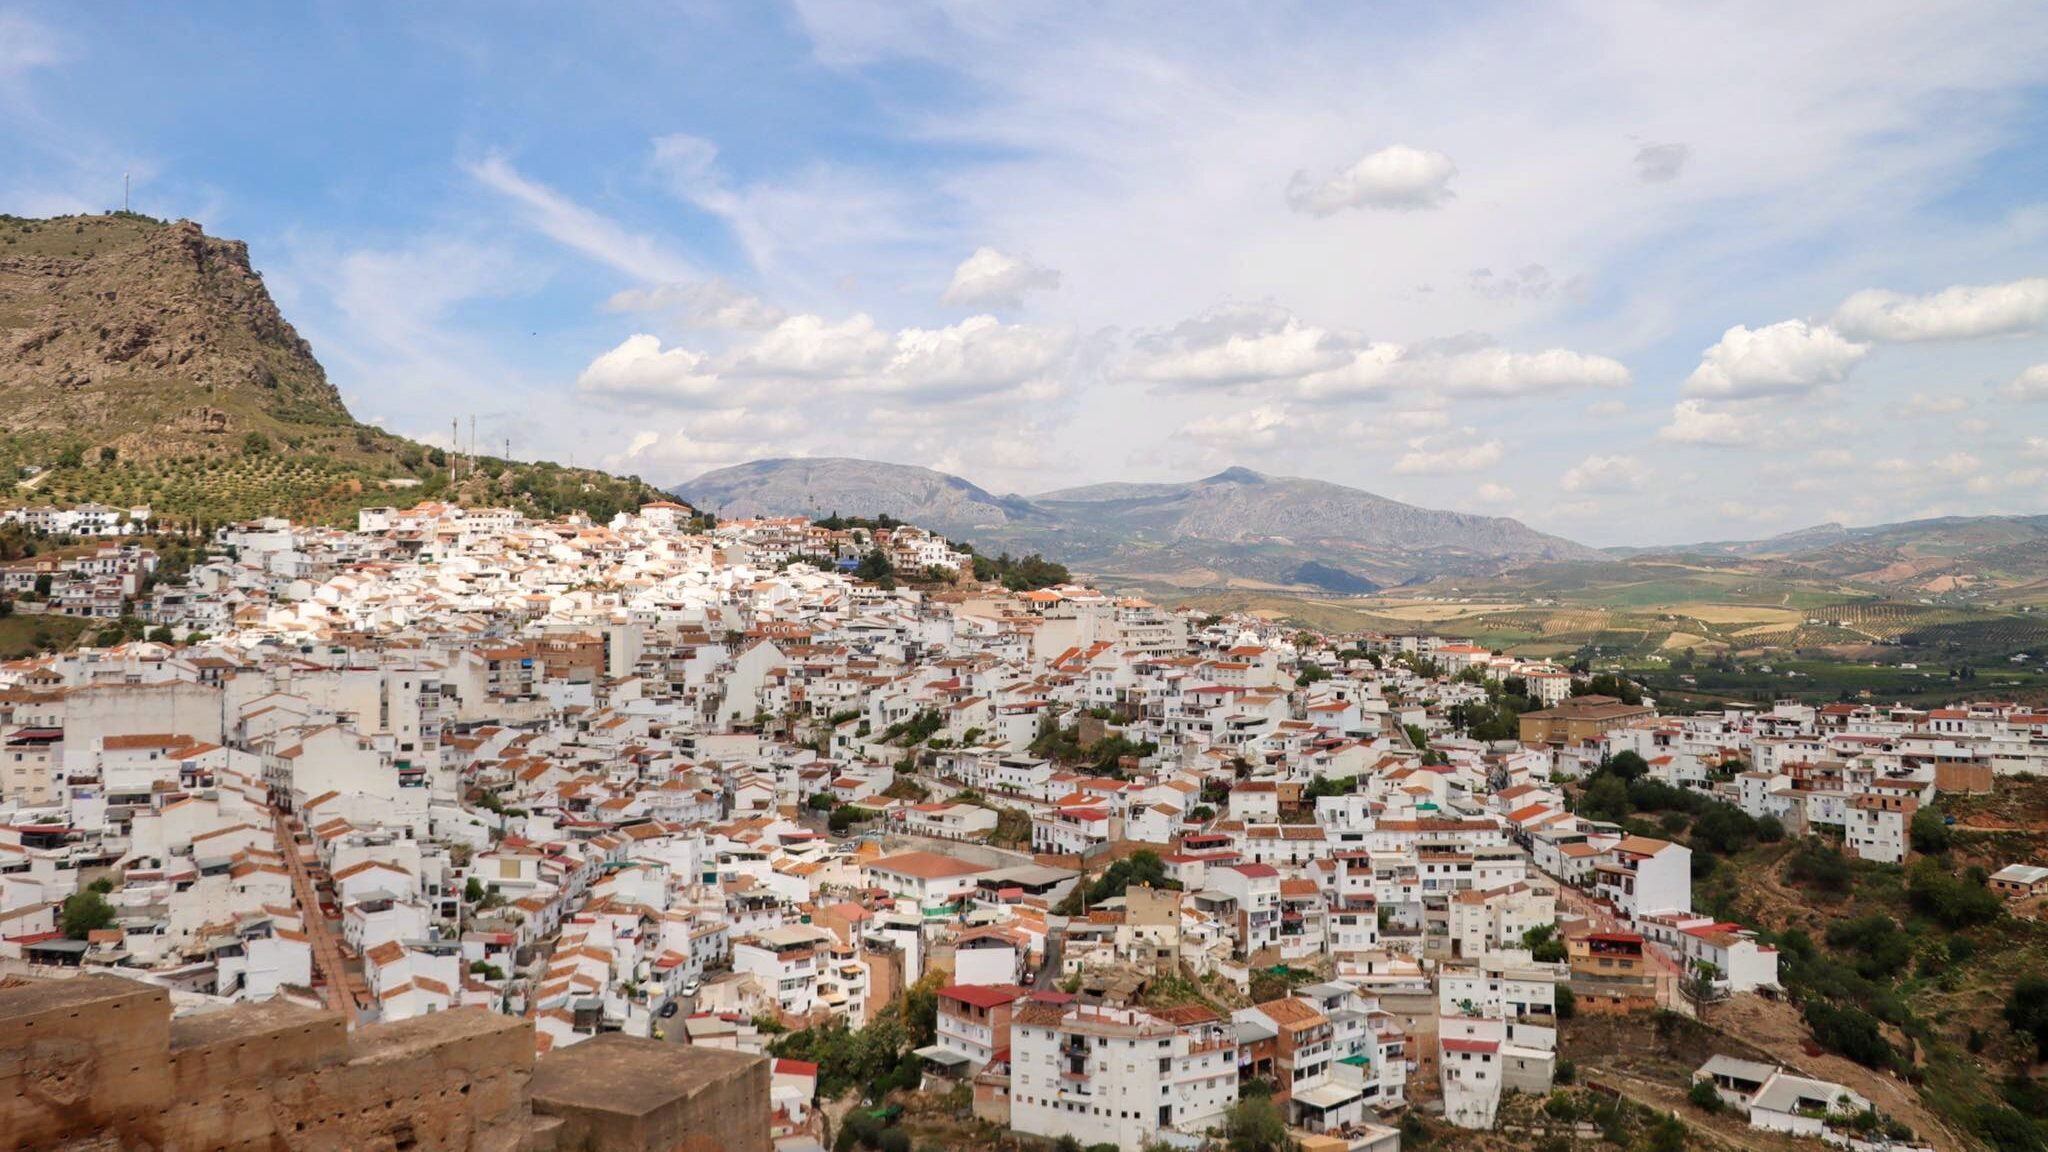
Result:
{"points": [[1775, 1027]]}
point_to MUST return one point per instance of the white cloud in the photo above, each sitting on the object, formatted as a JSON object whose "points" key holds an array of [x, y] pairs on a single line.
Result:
{"points": [[2036, 446], [1426, 457], [1236, 344], [1602, 474], [1243, 345], [1529, 282], [1692, 422], [25, 44], [1788, 357], [569, 223], [1396, 177], [2031, 384], [1661, 163], [990, 279], [1922, 404], [640, 370], [813, 348], [1964, 312], [977, 356], [700, 304], [1493, 494], [1607, 408], [1958, 464], [1259, 427], [1496, 372]]}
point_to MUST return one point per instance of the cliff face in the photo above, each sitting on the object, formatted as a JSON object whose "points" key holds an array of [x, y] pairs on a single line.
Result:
{"points": [[150, 337]]}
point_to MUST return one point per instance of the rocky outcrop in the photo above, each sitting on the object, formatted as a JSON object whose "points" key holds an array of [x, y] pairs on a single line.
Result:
{"points": [[115, 329]]}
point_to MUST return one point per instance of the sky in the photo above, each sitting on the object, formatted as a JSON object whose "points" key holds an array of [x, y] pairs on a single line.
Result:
{"points": [[1634, 274]]}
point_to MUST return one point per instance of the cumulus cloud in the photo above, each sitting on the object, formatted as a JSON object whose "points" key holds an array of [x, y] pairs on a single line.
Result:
{"points": [[1497, 372], [1259, 427], [811, 347], [1237, 344], [1430, 457], [977, 356], [1397, 177], [1964, 312], [641, 370], [1602, 474], [1785, 358], [2031, 384], [990, 279], [714, 439], [1493, 494], [1661, 163], [2036, 446], [701, 304], [1692, 422], [1241, 345]]}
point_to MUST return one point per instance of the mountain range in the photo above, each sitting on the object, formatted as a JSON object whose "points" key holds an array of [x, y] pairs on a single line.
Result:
{"points": [[1246, 530], [1237, 528]]}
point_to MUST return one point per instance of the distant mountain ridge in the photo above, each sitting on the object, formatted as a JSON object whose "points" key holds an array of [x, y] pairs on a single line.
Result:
{"points": [[1235, 528], [1937, 556], [818, 486]]}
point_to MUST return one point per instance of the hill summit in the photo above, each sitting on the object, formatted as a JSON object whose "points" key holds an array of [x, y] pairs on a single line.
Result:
{"points": [[144, 362]]}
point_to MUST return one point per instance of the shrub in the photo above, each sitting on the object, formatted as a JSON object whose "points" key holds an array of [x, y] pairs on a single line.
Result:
{"points": [[1704, 1097], [1849, 1032]]}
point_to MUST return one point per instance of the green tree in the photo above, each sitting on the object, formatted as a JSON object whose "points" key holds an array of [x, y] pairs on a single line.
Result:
{"points": [[2026, 1011], [876, 569], [474, 892], [1704, 1097], [255, 444], [85, 913], [1930, 832], [1627, 765], [1254, 1124]]}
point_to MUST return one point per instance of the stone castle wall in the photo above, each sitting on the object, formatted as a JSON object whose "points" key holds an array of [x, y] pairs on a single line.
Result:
{"points": [[98, 1062]]}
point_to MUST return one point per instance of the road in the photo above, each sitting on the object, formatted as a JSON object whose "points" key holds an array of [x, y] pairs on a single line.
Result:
{"points": [[341, 991], [672, 1026]]}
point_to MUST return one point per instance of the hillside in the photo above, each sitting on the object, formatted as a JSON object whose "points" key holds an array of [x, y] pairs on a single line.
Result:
{"points": [[1237, 528], [1994, 559], [144, 362], [820, 486]]}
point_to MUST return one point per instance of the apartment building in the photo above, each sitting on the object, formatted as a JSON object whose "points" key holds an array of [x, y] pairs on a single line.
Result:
{"points": [[1117, 1075]]}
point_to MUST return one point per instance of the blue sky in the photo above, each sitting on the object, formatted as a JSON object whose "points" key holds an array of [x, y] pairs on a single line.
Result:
{"points": [[1630, 273]]}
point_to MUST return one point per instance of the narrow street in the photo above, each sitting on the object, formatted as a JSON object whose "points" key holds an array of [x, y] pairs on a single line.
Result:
{"points": [[340, 989]]}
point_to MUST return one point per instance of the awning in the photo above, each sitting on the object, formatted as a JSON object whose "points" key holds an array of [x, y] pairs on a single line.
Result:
{"points": [[1324, 1097], [938, 1055]]}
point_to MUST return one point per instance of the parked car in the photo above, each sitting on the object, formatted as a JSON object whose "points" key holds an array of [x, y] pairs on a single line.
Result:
{"points": [[669, 1009]]}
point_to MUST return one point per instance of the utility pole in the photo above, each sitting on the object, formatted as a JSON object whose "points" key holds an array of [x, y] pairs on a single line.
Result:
{"points": [[454, 449], [472, 444]]}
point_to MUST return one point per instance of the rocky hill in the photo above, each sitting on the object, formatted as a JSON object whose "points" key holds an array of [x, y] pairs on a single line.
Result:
{"points": [[144, 362], [1234, 529]]}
